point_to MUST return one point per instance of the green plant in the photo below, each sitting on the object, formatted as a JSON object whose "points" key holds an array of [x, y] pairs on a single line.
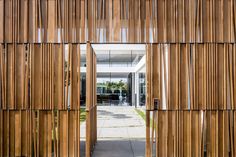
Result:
{"points": [[82, 115], [143, 115]]}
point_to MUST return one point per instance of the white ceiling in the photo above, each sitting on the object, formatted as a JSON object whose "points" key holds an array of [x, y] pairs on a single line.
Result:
{"points": [[116, 53], [117, 47]]}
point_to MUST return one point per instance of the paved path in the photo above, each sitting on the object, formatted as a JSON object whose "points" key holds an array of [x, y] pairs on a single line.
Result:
{"points": [[121, 132]]}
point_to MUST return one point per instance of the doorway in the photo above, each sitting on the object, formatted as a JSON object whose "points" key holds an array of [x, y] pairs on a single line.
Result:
{"points": [[118, 70], [120, 88]]}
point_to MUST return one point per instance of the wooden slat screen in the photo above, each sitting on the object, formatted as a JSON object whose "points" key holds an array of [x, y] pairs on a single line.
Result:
{"points": [[191, 64], [132, 21], [195, 133], [40, 99], [191, 76], [91, 100], [195, 84]]}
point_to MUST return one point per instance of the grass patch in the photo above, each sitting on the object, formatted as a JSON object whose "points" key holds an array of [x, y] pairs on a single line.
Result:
{"points": [[82, 115], [143, 115]]}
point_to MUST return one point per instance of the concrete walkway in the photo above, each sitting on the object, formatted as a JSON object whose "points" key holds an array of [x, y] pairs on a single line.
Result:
{"points": [[121, 132]]}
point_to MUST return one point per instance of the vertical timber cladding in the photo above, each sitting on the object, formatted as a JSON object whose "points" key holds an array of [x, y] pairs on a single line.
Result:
{"points": [[40, 99], [196, 87], [126, 21], [195, 80], [91, 100]]}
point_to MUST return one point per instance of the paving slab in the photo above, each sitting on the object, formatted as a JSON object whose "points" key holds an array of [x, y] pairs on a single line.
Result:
{"points": [[121, 132]]}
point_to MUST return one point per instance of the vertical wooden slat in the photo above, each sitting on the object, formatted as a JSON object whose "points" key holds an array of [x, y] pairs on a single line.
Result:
{"points": [[83, 32], [45, 133], [230, 77], [37, 79], [24, 144], [20, 76], [74, 76], [149, 77], [23, 21], [91, 124], [12, 131], [1, 132], [58, 60], [160, 20], [51, 21], [219, 20], [199, 76], [116, 20], [174, 77], [234, 132], [172, 133], [55, 132], [234, 73], [226, 21], [212, 136], [148, 139], [90, 22], [78, 19], [163, 133], [88, 99], [187, 133], [5, 146], [156, 71], [10, 76], [184, 78], [170, 11], [17, 135], [2, 91], [8, 21], [196, 133], [33, 21], [73, 134], [2, 21], [63, 133]]}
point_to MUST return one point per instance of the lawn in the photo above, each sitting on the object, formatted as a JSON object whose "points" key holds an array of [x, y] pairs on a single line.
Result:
{"points": [[143, 115], [82, 115]]}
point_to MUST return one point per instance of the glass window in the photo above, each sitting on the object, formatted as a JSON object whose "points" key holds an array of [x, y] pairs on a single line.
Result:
{"points": [[142, 89]]}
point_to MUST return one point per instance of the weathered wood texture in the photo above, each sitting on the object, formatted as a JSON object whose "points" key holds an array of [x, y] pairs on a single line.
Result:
{"points": [[195, 84], [134, 21]]}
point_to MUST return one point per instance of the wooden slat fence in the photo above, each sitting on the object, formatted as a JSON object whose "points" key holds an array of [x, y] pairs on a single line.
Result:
{"points": [[190, 68], [91, 100], [40, 99], [128, 21], [195, 84]]}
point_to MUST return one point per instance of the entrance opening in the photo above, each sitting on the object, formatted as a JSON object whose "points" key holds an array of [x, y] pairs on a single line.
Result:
{"points": [[118, 65], [120, 99]]}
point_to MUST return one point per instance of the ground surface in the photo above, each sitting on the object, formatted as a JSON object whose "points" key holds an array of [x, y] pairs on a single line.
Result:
{"points": [[121, 132]]}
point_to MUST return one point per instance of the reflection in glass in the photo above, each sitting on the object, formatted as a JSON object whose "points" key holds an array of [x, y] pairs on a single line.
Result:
{"points": [[82, 78], [112, 89], [142, 89]]}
